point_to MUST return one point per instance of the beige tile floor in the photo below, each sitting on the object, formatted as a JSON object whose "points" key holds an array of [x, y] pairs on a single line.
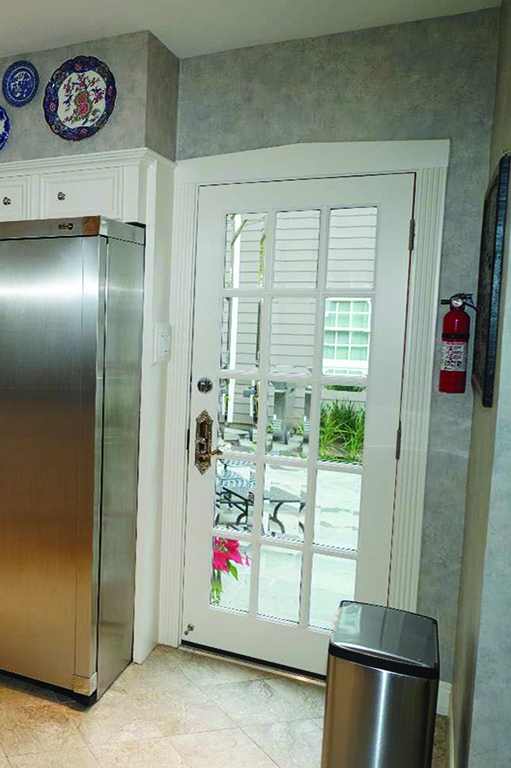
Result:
{"points": [[178, 710]]}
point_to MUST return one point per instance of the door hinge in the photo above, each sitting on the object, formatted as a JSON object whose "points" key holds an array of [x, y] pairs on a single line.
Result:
{"points": [[188, 439], [398, 442], [411, 238]]}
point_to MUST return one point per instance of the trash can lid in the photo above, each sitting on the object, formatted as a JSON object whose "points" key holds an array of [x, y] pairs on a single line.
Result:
{"points": [[387, 639]]}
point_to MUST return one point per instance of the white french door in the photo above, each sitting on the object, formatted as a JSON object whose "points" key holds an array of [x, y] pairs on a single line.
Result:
{"points": [[299, 327]]}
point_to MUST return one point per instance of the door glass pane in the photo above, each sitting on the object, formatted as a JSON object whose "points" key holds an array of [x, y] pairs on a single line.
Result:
{"points": [[234, 495], [237, 415], [351, 248], [296, 249], [245, 250], [230, 577], [285, 491], [346, 339], [342, 424], [336, 522], [241, 319], [293, 322], [279, 583], [288, 419], [333, 580]]}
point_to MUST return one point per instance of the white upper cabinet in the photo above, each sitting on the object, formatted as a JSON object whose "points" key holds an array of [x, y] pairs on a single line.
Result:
{"points": [[14, 197], [79, 193], [111, 184]]}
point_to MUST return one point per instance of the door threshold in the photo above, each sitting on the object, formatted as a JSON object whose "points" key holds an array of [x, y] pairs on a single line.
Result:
{"points": [[247, 661]]}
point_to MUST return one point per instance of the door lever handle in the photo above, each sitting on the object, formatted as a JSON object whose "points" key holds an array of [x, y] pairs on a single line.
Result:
{"points": [[203, 437]]}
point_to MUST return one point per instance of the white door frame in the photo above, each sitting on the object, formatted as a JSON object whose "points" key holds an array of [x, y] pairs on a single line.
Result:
{"points": [[429, 160]]}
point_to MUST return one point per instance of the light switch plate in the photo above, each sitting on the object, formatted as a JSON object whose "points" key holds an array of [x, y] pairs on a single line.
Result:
{"points": [[161, 343]]}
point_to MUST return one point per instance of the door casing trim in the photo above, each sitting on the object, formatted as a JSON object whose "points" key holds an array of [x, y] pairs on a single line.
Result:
{"points": [[429, 161]]}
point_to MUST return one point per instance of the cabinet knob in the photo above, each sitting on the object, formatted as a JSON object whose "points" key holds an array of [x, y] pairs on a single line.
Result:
{"points": [[7, 201], [61, 196]]}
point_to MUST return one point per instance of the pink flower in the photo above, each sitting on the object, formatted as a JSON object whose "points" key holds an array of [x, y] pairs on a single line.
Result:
{"points": [[236, 557], [220, 561], [226, 552], [233, 550]]}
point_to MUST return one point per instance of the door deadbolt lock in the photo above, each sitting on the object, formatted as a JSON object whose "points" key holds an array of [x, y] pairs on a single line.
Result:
{"points": [[204, 385], [203, 437]]}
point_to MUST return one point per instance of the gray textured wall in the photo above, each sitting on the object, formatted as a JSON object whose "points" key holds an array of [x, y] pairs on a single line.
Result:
{"points": [[423, 80], [482, 674], [162, 94], [139, 62]]}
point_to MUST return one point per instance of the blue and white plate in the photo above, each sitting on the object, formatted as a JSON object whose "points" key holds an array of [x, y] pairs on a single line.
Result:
{"points": [[20, 83], [79, 98], [5, 127]]}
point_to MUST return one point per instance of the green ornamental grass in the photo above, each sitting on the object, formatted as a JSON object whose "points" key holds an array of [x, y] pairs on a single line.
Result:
{"points": [[341, 432]]}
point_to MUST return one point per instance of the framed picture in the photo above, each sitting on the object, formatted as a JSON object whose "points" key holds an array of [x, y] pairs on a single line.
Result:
{"points": [[488, 289]]}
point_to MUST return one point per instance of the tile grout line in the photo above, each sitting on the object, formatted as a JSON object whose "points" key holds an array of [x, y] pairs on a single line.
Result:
{"points": [[296, 719], [275, 692], [48, 753], [94, 756], [120, 744], [208, 730], [259, 747]]}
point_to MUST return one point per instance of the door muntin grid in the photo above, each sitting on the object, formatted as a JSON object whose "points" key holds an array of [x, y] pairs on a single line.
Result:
{"points": [[277, 380]]}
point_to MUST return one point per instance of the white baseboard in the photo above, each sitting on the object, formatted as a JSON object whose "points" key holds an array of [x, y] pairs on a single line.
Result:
{"points": [[444, 699]]}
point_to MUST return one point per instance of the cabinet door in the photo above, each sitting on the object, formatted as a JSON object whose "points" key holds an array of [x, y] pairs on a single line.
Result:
{"points": [[82, 193], [14, 196]]}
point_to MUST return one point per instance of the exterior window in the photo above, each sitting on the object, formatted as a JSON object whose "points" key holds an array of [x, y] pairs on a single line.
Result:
{"points": [[346, 338]]}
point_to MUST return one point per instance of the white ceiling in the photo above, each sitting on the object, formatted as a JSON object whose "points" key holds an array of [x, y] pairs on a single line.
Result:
{"points": [[190, 27]]}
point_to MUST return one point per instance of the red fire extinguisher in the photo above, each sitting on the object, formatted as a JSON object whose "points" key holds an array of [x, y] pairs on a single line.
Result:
{"points": [[455, 337]]}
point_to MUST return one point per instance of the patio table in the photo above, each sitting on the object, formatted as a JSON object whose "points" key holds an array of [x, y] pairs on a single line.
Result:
{"points": [[237, 491]]}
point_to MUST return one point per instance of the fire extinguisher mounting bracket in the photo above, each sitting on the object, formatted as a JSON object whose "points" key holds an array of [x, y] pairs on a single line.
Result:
{"points": [[460, 300]]}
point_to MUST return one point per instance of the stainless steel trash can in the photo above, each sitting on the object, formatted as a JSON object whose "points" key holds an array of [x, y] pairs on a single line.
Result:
{"points": [[382, 689]]}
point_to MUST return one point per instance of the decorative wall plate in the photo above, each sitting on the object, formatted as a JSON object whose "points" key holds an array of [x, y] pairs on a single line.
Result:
{"points": [[5, 127], [79, 98], [20, 83]]}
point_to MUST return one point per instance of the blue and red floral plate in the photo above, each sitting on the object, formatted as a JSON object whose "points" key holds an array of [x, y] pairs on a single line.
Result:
{"points": [[79, 98]]}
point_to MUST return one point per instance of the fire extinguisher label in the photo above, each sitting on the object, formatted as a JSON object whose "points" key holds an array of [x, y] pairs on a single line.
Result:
{"points": [[454, 356]]}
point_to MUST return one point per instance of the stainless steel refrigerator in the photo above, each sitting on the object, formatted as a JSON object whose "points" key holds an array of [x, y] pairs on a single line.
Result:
{"points": [[71, 301]]}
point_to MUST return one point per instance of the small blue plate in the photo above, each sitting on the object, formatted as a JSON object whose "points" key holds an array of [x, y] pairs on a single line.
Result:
{"points": [[20, 83], [5, 127]]}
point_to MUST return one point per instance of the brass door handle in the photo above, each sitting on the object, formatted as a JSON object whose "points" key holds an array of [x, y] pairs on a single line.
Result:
{"points": [[203, 437]]}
